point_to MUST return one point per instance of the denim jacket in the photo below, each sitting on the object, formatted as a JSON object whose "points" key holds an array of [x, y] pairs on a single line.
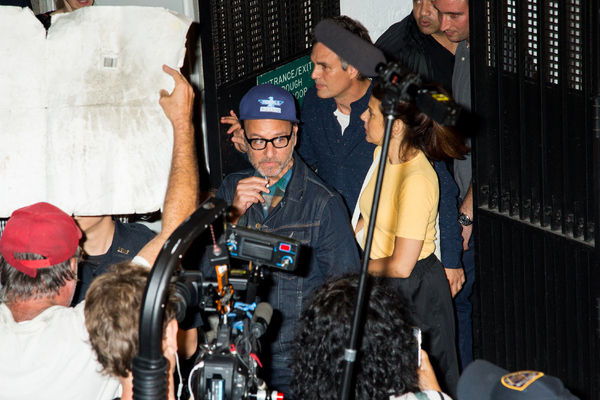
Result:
{"points": [[313, 213]]}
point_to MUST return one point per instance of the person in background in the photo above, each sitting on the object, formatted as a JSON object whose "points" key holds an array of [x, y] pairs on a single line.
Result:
{"points": [[106, 241], [454, 19], [418, 43], [44, 345], [387, 360], [112, 314], [68, 6], [483, 380]]}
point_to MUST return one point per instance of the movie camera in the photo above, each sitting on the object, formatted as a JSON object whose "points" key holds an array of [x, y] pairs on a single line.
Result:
{"points": [[227, 368]]}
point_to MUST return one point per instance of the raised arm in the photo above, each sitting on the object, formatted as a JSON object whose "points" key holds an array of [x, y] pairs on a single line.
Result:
{"points": [[181, 199]]}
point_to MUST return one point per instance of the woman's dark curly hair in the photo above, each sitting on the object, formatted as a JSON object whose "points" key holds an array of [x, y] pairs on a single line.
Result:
{"points": [[439, 143], [386, 362]]}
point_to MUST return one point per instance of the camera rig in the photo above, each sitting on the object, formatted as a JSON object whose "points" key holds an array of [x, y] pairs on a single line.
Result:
{"points": [[228, 368]]}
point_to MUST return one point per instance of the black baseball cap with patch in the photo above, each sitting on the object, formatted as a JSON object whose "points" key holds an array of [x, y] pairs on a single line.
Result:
{"points": [[482, 380]]}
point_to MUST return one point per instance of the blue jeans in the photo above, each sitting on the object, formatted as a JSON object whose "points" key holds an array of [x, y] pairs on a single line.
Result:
{"points": [[279, 379], [464, 308]]}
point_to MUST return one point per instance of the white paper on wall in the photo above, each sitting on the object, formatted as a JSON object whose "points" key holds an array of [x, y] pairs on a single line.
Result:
{"points": [[80, 123]]}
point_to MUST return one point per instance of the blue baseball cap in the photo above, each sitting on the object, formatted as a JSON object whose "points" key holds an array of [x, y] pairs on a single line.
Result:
{"points": [[268, 101]]}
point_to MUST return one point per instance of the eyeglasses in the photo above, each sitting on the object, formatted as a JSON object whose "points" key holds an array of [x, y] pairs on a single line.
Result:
{"points": [[260, 144]]}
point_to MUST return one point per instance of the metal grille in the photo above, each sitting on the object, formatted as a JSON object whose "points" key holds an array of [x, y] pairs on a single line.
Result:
{"points": [[551, 38], [536, 153], [509, 37], [531, 56], [490, 35], [249, 36], [537, 317], [574, 55]]}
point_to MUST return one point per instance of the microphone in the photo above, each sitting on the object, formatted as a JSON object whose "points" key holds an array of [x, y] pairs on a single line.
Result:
{"points": [[261, 319], [359, 53]]}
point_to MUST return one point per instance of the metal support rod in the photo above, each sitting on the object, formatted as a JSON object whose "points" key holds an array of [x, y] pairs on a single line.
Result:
{"points": [[346, 385], [149, 365]]}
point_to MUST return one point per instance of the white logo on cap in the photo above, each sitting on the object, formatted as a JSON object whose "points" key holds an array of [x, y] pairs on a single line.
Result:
{"points": [[270, 105]]}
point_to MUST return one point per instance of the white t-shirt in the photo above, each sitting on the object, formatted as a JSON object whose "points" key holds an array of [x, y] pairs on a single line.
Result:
{"points": [[343, 119], [50, 357]]}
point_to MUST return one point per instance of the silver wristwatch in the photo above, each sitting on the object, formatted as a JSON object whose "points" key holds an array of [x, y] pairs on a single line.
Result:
{"points": [[464, 219]]}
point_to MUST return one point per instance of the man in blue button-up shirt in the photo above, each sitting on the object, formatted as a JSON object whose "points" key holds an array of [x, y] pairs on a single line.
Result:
{"points": [[332, 136]]}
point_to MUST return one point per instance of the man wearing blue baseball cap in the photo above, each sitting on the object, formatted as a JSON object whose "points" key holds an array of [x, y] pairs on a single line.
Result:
{"points": [[282, 195]]}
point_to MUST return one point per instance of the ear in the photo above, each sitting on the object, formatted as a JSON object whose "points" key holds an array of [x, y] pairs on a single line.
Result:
{"points": [[73, 264], [397, 127], [295, 129], [352, 71]]}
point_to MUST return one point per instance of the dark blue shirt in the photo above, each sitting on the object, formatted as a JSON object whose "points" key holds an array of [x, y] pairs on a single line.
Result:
{"points": [[128, 240], [450, 229], [342, 161]]}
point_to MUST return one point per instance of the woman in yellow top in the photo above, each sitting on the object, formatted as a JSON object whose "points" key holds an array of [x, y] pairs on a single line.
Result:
{"points": [[403, 241]]}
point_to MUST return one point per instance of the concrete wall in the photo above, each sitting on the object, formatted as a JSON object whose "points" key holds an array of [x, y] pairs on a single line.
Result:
{"points": [[376, 15]]}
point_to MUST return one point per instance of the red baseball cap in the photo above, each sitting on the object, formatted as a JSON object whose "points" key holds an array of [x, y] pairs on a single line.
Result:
{"points": [[41, 229]]}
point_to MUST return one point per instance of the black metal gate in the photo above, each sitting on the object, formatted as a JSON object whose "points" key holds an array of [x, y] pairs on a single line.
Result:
{"points": [[535, 73], [242, 39]]}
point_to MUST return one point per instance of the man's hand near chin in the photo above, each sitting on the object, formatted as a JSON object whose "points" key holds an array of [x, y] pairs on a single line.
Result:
{"points": [[248, 191]]}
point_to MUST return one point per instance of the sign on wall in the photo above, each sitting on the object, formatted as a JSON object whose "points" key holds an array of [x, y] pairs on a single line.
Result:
{"points": [[293, 77]]}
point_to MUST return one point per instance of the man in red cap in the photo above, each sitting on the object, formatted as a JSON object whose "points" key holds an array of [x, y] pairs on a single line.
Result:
{"points": [[44, 346]]}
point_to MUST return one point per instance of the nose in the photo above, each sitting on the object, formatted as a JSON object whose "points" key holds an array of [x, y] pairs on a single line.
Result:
{"points": [[427, 8], [270, 150], [315, 72], [364, 115], [443, 22]]}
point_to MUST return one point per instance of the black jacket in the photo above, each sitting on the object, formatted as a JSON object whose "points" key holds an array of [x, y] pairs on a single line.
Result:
{"points": [[404, 42], [128, 240]]}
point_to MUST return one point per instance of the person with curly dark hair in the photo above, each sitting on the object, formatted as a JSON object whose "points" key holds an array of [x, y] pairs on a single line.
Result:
{"points": [[386, 363]]}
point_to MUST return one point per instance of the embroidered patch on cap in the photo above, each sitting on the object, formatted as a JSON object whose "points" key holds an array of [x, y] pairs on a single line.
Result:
{"points": [[520, 380], [270, 105]]}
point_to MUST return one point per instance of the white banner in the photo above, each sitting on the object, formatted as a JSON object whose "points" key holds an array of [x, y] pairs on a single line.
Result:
{"points": [[80, 123]]}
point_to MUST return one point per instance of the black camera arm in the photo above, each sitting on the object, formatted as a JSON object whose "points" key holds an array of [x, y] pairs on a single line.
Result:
{"points": [[149, 366]]}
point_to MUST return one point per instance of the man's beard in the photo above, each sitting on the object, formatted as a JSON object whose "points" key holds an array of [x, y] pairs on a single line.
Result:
{"points": [[270, 172]]}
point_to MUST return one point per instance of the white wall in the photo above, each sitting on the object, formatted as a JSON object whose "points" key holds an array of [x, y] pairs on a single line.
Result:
{"points": [[376, 15]]}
